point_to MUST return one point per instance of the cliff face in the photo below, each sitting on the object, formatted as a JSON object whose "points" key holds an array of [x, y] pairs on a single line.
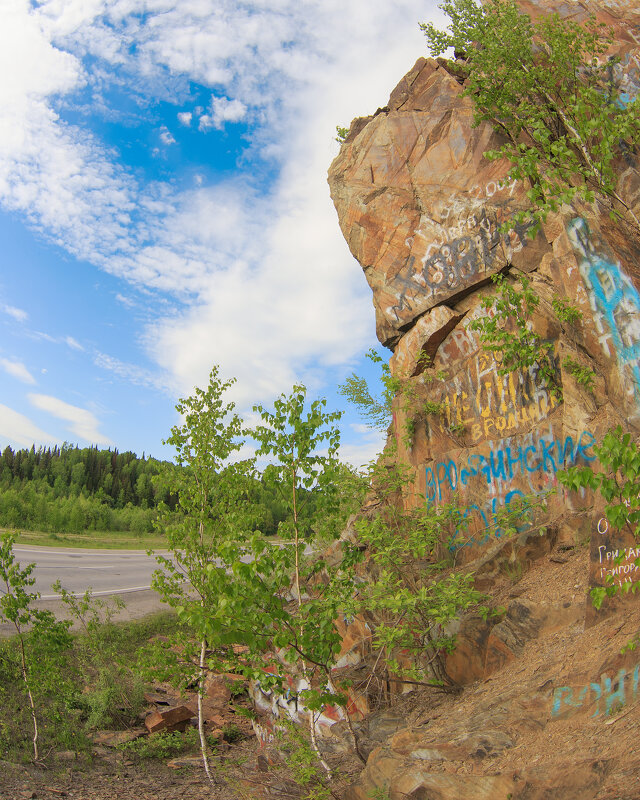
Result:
{"points": [[421, 210]]}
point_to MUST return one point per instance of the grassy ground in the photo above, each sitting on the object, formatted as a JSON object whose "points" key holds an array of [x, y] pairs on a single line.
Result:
{"points": [[107, 540]]}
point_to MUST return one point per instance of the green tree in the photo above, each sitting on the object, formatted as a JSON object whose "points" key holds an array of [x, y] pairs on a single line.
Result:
{"points": [[619, 486], [211, 494], [304, 446], [40, 647], [376, 410], [547, 87]]}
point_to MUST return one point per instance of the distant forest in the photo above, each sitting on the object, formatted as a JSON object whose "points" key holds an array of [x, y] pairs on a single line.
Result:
{"points": [[72, 489]]}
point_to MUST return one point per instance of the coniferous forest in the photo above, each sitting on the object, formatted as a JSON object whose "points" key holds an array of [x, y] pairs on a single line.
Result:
{"points": [[70, 489]]}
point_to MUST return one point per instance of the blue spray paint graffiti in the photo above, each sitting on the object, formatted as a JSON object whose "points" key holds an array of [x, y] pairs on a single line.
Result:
{"points": [[613, 691], [506, 462], [614, 300], [502, 465]]}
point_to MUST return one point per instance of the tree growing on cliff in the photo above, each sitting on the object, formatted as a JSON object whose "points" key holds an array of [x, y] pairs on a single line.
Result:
{"points": [[547, 86]]}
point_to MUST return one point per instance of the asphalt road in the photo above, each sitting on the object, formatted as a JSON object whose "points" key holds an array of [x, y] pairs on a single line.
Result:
{"points": [[106, 572]]}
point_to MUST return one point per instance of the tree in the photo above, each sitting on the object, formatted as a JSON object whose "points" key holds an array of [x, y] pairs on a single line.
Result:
{"points": [[210, 491], [229, 584], [376, 411], [16, 608], [296, 438], [547, 87], [619, 486]]}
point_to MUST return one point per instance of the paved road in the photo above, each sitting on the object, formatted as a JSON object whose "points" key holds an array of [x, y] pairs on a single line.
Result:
{"points": [[106, 572]]}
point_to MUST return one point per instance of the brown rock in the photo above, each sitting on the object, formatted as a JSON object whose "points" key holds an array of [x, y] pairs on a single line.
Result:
{"points": [[173, 719], [217, 690], [115, 738], [185, 761]]}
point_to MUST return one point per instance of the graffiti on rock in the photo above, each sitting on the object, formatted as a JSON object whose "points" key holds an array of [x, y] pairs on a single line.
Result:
{"points": [[451, 260], [608, 695], [615, 303], [618, 565], [510, 470], [488, 404]]}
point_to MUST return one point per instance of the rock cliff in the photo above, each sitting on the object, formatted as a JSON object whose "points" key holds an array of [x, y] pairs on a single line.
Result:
{"points": [[422, 209]]}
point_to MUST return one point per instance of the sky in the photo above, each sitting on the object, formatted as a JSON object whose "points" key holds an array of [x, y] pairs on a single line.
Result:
{"points": [[164, 207]]}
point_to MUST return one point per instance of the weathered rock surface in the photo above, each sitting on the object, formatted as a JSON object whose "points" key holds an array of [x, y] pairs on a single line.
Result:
{"points": [[421, 210]]}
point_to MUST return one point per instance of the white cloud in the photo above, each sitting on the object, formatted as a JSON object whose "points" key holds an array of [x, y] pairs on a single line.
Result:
{"points": [[127, 302], [20, 429], [17, 313], [82, 423], [130, 372], [368, 446], [222, 110], [17, 369], [270, 289], [73, 343], [166, 136]]}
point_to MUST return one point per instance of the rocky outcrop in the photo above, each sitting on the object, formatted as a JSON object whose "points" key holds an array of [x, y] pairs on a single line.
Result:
{"points": [[558, 721], [422, 210]]}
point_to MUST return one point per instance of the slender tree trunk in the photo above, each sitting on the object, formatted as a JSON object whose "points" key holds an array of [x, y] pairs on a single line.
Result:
{"points": [[296, 533], [203, 739], [25, 678]]}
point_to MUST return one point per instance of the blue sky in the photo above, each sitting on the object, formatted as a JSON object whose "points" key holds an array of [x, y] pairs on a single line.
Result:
{"points": [[164, 206]]}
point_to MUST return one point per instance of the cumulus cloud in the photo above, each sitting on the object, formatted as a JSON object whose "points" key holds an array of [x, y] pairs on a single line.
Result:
{"points": [[222, 110], [21, 430], [267, 285], [166, 137], [82, 423], [17, 369]]}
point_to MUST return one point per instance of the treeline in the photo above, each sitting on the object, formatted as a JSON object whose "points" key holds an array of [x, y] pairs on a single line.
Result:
{"points": [[70, 489]]}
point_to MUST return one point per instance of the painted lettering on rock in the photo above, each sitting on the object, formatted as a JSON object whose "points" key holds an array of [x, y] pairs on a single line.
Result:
{"points": [[489, 404], [619, 565], [439, 265], [609, 694], [615, 303], [530, 461]]}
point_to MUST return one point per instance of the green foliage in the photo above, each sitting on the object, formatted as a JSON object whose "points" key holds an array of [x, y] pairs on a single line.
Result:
{"points": [[302, 763], [413, 592], [342, 134], [565, 311], [40, 646], [619, 485], [376, 411], [585, 376], [507, 332], [161, 745], [546, 87], [303, 445], [207, 544], [232, 733]]}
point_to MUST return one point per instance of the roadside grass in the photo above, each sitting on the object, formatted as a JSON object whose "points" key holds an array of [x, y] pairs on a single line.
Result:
{"points": [[93, 685], [93, 540]]}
